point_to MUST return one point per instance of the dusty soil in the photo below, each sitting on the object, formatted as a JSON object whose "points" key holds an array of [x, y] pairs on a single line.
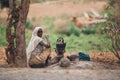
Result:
{"points": [[45, 74]]}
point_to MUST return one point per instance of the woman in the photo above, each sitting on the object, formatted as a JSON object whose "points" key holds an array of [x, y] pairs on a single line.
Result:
{"points": [[38, 51]]}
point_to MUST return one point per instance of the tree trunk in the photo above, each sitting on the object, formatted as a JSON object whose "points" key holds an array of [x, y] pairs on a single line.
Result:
{"points": [[15, 33], [9, 36]]}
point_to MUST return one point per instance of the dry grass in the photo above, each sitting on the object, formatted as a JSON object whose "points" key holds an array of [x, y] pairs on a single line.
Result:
{"points": [[107, 57], [2, 56]]}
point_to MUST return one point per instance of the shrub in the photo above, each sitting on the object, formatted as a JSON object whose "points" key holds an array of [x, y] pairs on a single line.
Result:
{"points": [[89, 31], [29, 25], [2, 36], [114, 27], [74, 30]]}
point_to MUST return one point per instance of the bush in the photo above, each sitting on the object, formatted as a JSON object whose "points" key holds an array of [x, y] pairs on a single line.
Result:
{"points": [[89, 31], [74, 30], [2, 36], [114, 27], [29, 25]]}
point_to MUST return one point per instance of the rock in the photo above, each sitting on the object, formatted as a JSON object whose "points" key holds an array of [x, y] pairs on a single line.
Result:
{"points": [[64, 62], [73, 57]]}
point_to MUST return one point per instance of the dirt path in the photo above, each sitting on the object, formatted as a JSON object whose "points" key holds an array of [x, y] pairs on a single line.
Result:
{"points": [[45, 74]]}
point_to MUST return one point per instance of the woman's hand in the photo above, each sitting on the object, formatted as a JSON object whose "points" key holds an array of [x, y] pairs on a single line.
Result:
{"points": [[48, 41]]}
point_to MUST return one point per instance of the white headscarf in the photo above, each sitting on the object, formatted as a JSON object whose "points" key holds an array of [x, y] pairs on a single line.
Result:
{"points": [[33, 43]]}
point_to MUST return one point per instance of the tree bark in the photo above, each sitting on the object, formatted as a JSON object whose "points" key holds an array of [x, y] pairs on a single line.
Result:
{"points": [[9, 35], [16, 49]]}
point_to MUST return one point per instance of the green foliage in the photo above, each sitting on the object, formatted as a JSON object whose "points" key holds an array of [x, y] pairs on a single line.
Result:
{"points": [[2, 36], [100, 28], [29, 24], [92, 42], [89, 31], [102, 25], [28, 35], [74, 30]]}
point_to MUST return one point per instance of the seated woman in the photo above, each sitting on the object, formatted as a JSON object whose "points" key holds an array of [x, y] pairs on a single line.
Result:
{"points": [[38, 50]]}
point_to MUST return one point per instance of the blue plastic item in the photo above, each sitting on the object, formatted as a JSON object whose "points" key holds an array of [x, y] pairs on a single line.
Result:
{"points": [[84, 56]]}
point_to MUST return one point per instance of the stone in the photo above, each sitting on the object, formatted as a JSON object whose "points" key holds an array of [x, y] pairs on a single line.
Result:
{"points": [[64, 62]]}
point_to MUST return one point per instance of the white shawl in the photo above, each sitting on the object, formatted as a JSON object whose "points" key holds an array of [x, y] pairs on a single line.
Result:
{"points": [[33, 43]]}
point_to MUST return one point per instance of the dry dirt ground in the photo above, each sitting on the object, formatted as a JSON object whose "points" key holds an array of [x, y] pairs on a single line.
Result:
{"points": [[44, 74], [101, 67]]}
